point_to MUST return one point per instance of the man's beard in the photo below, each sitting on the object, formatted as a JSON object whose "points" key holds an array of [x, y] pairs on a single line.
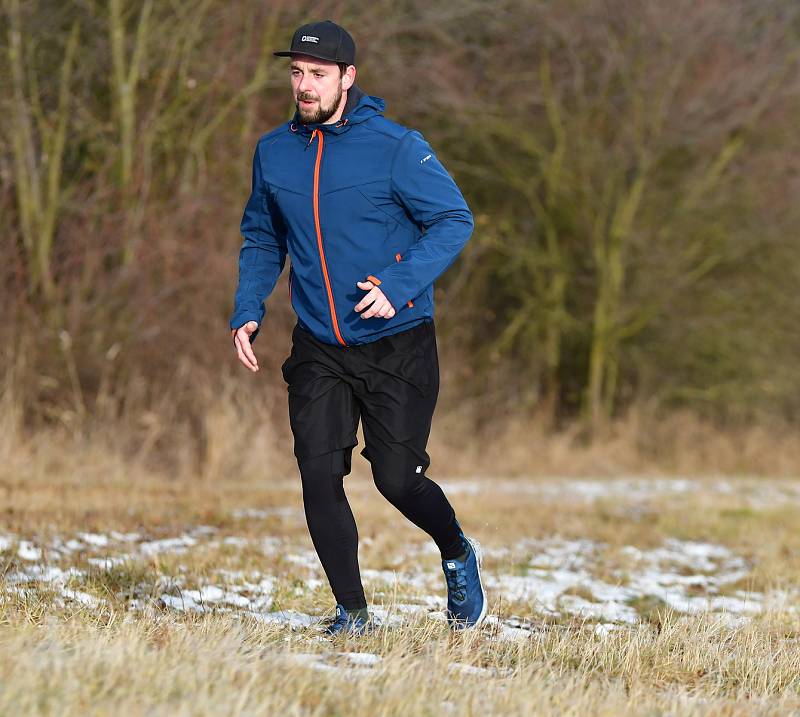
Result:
{"points": [[321, 114]]}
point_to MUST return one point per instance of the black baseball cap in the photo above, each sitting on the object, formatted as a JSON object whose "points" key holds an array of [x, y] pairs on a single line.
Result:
{"points": [[325, 40]]}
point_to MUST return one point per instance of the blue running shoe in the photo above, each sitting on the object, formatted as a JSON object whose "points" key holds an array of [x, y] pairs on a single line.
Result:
{"points": [[348, 624], [466, 598]]}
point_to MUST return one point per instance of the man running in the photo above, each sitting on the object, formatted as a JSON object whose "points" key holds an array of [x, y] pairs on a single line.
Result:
{"points": [[370, 218]]}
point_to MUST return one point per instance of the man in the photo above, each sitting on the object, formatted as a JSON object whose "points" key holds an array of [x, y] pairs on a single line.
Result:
{"points": [[370, 219]]}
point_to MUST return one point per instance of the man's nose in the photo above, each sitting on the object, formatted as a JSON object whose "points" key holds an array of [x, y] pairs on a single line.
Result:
{"points": [[305, 84]]}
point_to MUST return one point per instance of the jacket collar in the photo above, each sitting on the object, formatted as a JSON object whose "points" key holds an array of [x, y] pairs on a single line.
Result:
{"points": [[354, 95], [358, 108]]}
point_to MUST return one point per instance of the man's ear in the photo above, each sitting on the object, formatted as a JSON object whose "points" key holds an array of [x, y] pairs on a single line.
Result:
{"points": [[349, 77]]}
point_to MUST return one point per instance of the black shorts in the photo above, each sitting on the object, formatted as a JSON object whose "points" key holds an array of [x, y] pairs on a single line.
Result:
{"points": [[391, 384]]}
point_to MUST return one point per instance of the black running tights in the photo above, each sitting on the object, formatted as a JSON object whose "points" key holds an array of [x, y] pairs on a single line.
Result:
{"points": [[333, 528]]}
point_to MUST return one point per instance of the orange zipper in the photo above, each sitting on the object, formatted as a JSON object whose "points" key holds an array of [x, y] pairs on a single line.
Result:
{"points": [[335, 323], [398, 257]]}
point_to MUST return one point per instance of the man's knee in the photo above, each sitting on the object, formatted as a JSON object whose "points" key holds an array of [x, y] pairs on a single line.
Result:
{"points": [[398, 478], [323, 475]]}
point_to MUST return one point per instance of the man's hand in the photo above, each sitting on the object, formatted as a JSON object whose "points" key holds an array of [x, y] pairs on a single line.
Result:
{"points": [[381, 306], [241, 340]]}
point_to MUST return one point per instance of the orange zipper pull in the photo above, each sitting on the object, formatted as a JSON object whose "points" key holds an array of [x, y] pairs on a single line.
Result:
{"points": [[311, 138]]}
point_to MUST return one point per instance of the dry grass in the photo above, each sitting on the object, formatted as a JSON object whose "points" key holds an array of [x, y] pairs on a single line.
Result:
{"points": [[81, 647], [167, 664]]}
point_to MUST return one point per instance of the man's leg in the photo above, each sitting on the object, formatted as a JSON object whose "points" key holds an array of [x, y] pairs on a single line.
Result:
{"points": [[324, 415], [397, 397], [400, 387], [332, 526], [398, 477]]}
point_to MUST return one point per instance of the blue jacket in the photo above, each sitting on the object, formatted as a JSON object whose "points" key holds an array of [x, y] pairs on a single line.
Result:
{"points": [[365, 198]]}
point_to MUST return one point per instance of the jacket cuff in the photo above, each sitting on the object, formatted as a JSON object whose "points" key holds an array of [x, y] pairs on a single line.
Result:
{"points": [[239, 320], [388, 291]]}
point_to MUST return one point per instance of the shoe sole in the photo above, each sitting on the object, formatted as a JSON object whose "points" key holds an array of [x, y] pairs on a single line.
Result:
{"points": [[478, 560], [354, 631], [347, 633]]}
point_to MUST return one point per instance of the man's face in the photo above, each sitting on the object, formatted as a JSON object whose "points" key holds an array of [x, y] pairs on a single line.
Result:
{"points": [[317, 86]]}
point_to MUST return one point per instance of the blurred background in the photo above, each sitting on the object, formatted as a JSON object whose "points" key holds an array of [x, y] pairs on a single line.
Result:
{"points": [[628, 301]]}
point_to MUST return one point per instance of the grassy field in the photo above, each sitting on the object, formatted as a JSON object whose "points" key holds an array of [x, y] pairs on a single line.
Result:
{"points": [[127, 591]]}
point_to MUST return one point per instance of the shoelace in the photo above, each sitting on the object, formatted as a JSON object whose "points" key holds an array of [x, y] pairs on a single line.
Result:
{"points": [[456, 582], [456, 577]]}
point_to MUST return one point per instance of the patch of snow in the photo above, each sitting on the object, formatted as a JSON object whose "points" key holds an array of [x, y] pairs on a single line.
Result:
{"points": [[42, 573], [271, 544], [603, 629], [125, 537], [108, 562], [367, 659], [174, 545], [291, 618], [470, 669], [234, 540], [510, 629], [204, 530], [82, 597], [28, 551], [667, 572], [73, 545], [305, 559], [314, 661], [609, 611], [97, 539]]}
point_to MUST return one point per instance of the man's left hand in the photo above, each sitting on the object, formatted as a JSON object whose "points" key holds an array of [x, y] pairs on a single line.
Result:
{"points": [[381, 306]]}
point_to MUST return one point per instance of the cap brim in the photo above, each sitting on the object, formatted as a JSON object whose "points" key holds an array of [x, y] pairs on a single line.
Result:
{"points": [[289, 53]]}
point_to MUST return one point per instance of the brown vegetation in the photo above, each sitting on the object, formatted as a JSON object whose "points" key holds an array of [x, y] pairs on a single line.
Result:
{"points": [[631, 168]]}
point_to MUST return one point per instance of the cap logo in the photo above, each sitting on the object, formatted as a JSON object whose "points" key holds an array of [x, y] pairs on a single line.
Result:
{"points": [[309, 38]]}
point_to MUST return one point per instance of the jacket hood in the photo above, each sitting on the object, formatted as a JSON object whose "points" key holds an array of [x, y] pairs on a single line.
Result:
{"points": [[358, 108]]}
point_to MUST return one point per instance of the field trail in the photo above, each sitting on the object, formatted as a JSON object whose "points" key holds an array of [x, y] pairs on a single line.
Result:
{"points": [[577, 570]]}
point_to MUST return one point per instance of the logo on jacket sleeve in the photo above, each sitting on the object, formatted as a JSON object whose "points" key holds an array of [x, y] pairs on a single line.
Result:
{"points": [[425, 158]]}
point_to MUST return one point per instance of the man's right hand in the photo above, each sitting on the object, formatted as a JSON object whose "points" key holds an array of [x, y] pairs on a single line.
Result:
{"points": [[241, 340]]}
